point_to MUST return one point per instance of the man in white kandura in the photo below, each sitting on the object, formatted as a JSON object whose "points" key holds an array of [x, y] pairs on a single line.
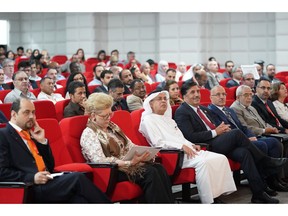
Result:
{"points": [[213, 174]]}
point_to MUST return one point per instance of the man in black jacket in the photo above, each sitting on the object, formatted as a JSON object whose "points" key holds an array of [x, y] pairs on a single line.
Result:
{"points": [[25, 156]]}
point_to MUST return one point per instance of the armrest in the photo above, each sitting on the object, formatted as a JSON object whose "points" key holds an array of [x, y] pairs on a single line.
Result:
{"points": [[105, 176], [15, 192], [172, 160]]}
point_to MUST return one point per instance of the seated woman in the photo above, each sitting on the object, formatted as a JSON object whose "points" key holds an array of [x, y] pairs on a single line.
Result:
{"points": [[174, 92], [161, 73], [180, 71], [278, 95], [104, 141]]}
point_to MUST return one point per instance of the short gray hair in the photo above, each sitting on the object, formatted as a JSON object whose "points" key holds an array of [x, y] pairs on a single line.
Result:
{"points": [[240, 89]]}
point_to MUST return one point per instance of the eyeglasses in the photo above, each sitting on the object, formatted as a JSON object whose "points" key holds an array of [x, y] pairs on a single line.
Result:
{"points": [[247, 95], [9, 65], [105, 117], [250, 79], [160, 99], [220, 94], [22, 79], [264, 87]]}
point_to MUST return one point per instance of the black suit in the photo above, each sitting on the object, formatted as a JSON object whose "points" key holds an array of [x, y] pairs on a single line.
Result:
{"points": [[266, 116], [18, 164], [120, 105], [101, 89], [5, 86], [234, 144], [267, 145], [3, 118]]}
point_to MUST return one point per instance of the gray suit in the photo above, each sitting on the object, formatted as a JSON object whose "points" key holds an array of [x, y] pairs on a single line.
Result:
{"points": [[212, 81], [253, 121], [134, 102]]}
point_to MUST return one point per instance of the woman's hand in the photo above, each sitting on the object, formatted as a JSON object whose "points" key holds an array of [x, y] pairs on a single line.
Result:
{"points": [[137, 158]]}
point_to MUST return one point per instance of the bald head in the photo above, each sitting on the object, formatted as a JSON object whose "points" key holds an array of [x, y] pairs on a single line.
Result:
{"points": [[218, 96]]}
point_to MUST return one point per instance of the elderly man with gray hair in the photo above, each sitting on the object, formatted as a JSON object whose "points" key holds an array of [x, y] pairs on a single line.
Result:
{"points": [[236, 74], [8, 67]]}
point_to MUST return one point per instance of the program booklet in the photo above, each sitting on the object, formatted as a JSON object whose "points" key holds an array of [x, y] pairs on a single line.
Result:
{"points": [[140, 150]]}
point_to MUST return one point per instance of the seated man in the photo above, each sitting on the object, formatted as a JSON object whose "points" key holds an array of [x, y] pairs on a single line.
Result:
{"points": [[52, 73], [267, 145], [170, 75], [196, 124], [105, 78], [3, 85], [265, 107], [236, 77], [97, 70], [21, 88], [77, 93], [116, 90], [46, 85], [248, 80], [25, 156], [135, 100], [26, 66], [126, 78], [213, 174]]}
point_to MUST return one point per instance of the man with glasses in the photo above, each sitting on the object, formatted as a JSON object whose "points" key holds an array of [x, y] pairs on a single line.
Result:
{"points": [[197, 125], [77, 93], [26, 67], [8, 67], [265, 107], [21, 88], [3, 85], [249, 80]]}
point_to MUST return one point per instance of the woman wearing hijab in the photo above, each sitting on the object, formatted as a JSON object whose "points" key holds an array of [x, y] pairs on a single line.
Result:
{"points": [[192, 70], [161, 73], [213, 174]]}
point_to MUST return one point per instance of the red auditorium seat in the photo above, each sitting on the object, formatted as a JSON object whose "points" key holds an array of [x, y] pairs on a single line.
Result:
{"points": [[3, 94], [59, 108], [60, 59], [105, 178], [223, 82], [44, 109]]}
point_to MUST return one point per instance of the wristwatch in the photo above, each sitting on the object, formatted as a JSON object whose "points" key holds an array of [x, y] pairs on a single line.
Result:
{"points": [[127, 163]]}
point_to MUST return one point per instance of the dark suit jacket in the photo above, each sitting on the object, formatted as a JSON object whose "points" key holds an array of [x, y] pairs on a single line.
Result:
{"points": [[73, 109], [3, 118], [221, 117], [126, 90], [16, 161], [101, 89], [231, 83], [33, 84], [122, 104], [266, 116], [191, 125], [5, 86], [161, 86]]}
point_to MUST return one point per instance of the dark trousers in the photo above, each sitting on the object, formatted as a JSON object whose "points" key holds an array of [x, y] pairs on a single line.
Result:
{"points": [[235, 145], [154, 182], [69, 188], [274, 147]]}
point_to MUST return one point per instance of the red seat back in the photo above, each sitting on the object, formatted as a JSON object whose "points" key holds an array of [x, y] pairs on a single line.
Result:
{"points": [[60, 59], [154, 86], [35, 91], [6, 109], [72, 129], [136, 119], [44, 109], [59, 108], [123, 119], [223, 82], [148, 87], [172, 65], [3, 94], [54, 134], [205, 96]]}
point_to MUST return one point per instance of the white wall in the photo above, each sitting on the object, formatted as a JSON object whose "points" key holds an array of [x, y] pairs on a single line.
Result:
{"points": [[189, 37]]}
